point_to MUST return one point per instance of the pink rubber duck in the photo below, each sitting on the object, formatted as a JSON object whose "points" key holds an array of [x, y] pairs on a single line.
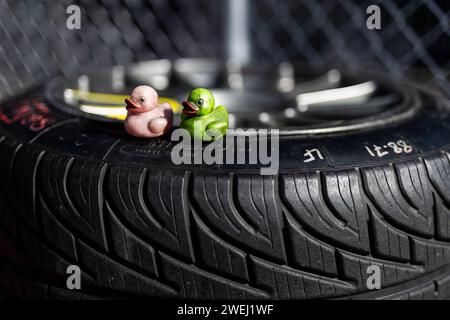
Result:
{"points": [[145, 118]]}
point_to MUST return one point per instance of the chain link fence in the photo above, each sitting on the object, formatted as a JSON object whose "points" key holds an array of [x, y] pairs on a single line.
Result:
{"points": [[35, 43]]}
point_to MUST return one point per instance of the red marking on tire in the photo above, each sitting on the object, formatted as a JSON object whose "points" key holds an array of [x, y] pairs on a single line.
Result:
{"points": [[35, 116]]}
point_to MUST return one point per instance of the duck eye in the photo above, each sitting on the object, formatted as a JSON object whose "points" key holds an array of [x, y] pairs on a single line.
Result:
{"points": [[141, 99], [200, 102]]}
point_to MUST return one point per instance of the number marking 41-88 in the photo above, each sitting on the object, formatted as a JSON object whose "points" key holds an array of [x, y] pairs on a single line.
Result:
{"points": [[398, 147]]}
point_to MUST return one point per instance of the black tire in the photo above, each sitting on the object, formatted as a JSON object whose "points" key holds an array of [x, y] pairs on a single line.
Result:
{"points": [[80, 192]]}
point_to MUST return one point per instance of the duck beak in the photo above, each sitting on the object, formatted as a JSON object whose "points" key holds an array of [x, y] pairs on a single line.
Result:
{"points": [[131, 105], [189, 108]]}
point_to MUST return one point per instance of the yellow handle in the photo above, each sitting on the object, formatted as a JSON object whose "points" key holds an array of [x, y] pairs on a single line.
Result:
{"points": [[108, 104]]}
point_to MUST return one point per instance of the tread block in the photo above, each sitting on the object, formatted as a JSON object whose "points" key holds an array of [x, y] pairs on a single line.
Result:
{"points": [[64, 200], [443, 287], [9, 248], [46, 261], [355, 268], [158, 209], [333, 210], [389, 243], [439, 172], [245, 213], [18, 286], [129, 247], [56, 233], [286, 283], [404, 199], [430, 255], [442, 221], [23, 189], [307, 252], [198, 284], [7, 220], [12, 161], [107, 273], [36, 257], [219, 255], [424, 293]]}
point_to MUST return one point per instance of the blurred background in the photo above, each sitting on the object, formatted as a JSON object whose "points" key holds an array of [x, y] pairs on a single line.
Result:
{"points": [[35, 44]]}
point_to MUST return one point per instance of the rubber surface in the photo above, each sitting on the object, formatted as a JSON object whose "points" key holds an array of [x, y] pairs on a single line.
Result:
{"points": [[80, 192]]}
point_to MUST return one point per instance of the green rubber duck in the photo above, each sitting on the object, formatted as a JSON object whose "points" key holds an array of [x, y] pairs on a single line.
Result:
{"points": [[201, 118]]}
